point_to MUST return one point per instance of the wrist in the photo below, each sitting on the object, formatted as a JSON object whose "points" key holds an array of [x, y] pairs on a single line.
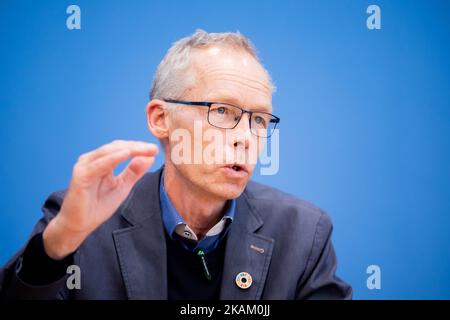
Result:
{"points": [[59, 241]]}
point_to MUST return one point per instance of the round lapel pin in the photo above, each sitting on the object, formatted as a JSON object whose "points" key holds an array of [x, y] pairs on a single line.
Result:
{"points": [[244, 280]]}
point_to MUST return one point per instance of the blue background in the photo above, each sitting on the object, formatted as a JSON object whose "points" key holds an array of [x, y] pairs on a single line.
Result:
{"points": [[365, 114]]}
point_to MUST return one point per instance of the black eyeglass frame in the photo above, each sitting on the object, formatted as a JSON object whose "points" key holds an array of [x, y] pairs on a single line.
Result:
{"points": [[274, 118]]}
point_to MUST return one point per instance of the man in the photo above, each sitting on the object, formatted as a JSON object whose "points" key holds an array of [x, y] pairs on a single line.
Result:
{"points": [[193, 229]]}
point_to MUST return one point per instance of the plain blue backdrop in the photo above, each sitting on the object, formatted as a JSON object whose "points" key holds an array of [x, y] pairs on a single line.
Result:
{"points": [[365, 130]]}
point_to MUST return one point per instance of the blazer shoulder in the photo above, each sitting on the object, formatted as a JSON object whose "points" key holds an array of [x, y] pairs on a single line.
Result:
{"points": [[55, 198], [272, 203], [53, 203]]}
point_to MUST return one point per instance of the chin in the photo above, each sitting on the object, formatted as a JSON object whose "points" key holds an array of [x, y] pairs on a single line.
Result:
{"points": [[227, 191]]}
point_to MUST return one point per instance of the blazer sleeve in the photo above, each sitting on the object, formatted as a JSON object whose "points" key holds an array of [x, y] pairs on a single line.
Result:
{"points": [[319, 280], [11, 284]]}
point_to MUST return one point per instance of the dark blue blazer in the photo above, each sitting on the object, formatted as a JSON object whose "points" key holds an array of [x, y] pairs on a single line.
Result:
{"points": [[283, 242]]}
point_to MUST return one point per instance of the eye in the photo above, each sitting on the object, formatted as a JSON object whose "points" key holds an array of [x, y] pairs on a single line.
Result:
{"points": [[221, 110], [259, 119]]}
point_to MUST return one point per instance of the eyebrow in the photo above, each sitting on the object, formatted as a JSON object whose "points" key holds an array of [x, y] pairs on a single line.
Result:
{"points": [[221, 99]]}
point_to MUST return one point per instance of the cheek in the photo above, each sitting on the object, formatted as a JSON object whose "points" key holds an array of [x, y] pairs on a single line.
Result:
{"points": [[255, 150], [185, 132], [260, 143]]}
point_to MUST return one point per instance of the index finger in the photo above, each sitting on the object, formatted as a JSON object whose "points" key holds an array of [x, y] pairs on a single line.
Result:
{"points": [[132, 146]]}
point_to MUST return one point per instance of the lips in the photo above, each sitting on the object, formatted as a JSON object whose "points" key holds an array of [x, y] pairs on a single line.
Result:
{"points": [[237, 167], [236, 171]]}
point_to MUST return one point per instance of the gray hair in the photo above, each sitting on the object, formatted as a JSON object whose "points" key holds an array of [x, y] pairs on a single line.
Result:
{"points": [[171, 79]]}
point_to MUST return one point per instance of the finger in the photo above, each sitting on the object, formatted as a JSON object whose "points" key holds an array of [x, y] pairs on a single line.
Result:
{"points": [[136, 169], [117, 145], [106, 164], [114, 146]]}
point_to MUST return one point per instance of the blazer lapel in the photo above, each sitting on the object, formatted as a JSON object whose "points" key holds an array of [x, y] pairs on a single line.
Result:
{"points": [[142, 253], [141, 248], [246, 251]]}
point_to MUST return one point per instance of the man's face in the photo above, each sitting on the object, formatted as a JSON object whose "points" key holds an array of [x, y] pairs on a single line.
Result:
{"points": [[229, 76]]}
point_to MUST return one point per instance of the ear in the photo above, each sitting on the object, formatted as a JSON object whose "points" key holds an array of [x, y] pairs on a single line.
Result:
{"points": [[157, 119]]}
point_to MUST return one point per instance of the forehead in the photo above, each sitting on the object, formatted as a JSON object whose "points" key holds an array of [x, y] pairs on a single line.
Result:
{"points": [[231, 75]]}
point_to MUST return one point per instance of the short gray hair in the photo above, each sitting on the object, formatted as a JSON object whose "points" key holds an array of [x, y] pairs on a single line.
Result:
{"points": [[171, 79]]}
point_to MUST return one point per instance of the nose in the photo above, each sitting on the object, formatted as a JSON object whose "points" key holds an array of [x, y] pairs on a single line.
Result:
{"points": [[242, 133]]}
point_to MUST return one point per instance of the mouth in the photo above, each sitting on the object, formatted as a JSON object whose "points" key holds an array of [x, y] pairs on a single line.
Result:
{"points": [[237, 167], [236, 170]]}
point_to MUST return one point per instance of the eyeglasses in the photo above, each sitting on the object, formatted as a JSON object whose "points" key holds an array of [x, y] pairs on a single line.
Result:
{"points": [[227, 116]]}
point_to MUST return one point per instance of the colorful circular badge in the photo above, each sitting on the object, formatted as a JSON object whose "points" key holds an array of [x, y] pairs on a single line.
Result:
{"points": [[244, 280]]}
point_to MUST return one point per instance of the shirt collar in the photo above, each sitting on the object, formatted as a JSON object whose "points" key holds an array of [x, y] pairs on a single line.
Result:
{"points": [[174, 223]]}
